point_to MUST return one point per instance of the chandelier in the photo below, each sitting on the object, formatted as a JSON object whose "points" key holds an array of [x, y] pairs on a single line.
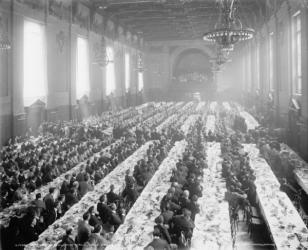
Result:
{"points": [[100, 54], [221, 58], [229, 29], [4, 39]]}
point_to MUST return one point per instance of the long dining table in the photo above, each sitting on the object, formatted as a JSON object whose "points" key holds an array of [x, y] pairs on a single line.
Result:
{"points": [[212, 225], [288, 230]]}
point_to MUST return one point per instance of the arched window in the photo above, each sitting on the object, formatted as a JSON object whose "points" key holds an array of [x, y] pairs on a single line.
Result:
{"points": [[34, 63], [82, 68]]}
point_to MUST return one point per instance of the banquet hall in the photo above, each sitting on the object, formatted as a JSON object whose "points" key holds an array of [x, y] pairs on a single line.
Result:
{"points": [[153, 124]]}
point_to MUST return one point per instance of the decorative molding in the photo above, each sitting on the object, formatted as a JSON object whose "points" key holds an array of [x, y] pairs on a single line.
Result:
{"points": [[81, 15], [60, 8], [110, 29], [33, 4], [96, 22]]}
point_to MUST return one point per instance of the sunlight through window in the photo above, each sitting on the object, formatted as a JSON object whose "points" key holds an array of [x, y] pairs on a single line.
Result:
{"points": [[82, 69], [34, 64], [110, 73], [140, 81], [127, 72]]}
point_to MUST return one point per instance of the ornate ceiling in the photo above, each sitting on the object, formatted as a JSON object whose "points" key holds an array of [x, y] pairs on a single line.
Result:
{"points": [[178, 19]]}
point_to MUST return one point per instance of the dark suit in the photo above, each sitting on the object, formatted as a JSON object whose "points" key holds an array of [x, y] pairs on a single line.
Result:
{"points": [[104, 212], [164, 233], [115, 220], [158, 244]]}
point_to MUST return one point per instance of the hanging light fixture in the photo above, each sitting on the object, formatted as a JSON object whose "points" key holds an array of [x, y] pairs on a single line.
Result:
{"points": [[101, 56], [4, 38], [221, 58], [229, 29]]}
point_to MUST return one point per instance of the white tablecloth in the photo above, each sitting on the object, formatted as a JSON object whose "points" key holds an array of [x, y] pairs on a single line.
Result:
{"points": [[8, 212], [251, 122], [210, 124], [190, 121], [213, 107], [226, 106], [265, 178], [136, 232], [200, 106], [285, 224], [212, 225], [49, 238]]}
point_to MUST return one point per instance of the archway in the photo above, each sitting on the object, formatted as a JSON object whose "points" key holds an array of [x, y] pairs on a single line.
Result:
{"points": [[191, 74]]}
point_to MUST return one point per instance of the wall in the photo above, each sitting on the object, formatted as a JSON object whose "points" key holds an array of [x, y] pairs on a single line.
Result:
{"points": [[245, 75], [159, 62], [64, 21]]}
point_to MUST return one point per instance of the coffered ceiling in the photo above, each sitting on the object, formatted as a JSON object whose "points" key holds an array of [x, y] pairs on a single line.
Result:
{"points": [[178, 19]]}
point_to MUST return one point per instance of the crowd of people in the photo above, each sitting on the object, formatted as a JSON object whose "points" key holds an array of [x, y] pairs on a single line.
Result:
{"points": [[32, 163], [174, 226], [43, 211], [113, 207], [28, 164]]}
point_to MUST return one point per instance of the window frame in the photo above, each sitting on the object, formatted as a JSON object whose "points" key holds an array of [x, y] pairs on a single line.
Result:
{"points": [[110, 69], [297, 77], [39, 65], [85, 63]]}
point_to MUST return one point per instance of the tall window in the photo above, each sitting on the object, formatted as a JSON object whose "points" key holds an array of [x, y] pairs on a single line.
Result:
{"points": [[110, 73], [82, 68], [127, 71], [248, 65], [140, 81], [257, 66], [34, 64], [296, 54], [271, 61]]}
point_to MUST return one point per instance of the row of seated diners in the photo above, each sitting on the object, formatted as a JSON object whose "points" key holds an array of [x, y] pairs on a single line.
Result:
{"points": [[53, 153], [127, 193], [183, 205], [287, 228], [22, 150], [136, 232], [19, 159]]}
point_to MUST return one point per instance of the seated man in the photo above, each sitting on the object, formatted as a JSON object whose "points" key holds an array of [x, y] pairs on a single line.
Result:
{"points": [[103, 209], [67, 242], [169, 198], [130, 194], [84, 229], [112, 197], [182, 223], [158, 243], [114, 219], [163, 228], [96, 240]]}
